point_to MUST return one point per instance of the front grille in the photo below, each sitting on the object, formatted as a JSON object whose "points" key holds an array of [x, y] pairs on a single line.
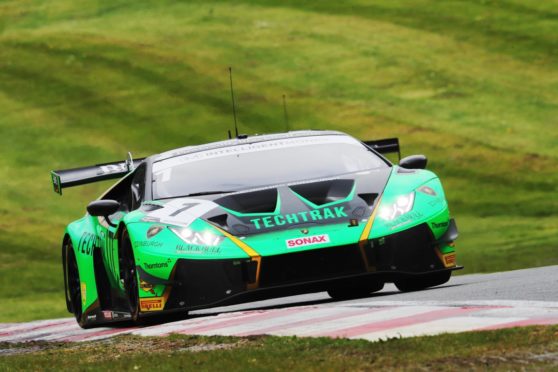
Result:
{"points": [[202, 282], [311, 265], [410, 250]]}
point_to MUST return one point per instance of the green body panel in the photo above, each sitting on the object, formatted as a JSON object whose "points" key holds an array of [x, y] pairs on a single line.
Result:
{"points": [[426, 208], [156, 255], [80, 233]]}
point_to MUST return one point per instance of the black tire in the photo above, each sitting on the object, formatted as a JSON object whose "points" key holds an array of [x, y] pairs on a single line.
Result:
{"points": [[128, 274], [73, 285], [348, 293], [417, 283]]}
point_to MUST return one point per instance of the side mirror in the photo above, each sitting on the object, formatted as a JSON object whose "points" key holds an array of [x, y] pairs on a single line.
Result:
{"points": [[414, 162], [103, 208]]}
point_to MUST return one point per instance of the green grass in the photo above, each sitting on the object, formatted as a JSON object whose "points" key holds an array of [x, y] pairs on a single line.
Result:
{"points": [[472, 84], [532, 348]]}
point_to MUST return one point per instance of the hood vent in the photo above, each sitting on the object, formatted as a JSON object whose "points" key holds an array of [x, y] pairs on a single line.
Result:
{"points": [[220, 220], [264, 201], [148, 207], [324, 192]]}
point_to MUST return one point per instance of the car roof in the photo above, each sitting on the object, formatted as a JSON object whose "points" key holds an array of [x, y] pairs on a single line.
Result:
{"points": [[242, 140]]}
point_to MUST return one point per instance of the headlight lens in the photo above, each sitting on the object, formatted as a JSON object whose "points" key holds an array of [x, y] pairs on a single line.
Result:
{"points": [[190, 236], [402, 205]]}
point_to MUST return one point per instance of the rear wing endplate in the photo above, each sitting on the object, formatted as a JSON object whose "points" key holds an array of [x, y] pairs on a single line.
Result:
{"points": [[94, 173], [385, 146]]}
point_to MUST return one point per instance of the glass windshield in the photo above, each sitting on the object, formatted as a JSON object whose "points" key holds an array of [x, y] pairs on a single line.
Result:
{"points": [[261, 164]]}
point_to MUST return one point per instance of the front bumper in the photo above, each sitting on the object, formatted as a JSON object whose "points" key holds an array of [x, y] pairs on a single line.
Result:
{"points": [[206, 283]]}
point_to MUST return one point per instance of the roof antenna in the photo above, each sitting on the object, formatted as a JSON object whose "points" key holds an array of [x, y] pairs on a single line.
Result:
{"points": [[229, 132], [234, 108], [285, 112]]}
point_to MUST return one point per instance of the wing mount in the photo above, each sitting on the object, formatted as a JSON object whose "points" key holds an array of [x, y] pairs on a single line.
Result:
{"points": [[385, 146]]}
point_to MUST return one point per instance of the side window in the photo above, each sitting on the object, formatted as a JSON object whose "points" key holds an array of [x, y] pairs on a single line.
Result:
{"points": [[138, 187]]}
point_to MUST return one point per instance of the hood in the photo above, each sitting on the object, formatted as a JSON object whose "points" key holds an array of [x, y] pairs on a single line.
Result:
{"points": [[320, 202]]}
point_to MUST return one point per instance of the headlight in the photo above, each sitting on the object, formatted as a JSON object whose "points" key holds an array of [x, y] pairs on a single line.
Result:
{"points": [[402, 205], [190, 236]]}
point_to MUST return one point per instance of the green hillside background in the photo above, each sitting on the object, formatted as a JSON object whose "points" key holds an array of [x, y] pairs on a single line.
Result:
{"points": [[471, 84]]}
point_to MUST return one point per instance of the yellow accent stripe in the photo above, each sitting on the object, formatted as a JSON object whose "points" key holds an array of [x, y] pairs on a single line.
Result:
{"points": [[255, 256], [366, 233]]}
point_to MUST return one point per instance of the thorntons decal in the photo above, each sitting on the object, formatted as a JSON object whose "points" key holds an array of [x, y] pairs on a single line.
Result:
{"points": [[306, 216], [307, 240]]}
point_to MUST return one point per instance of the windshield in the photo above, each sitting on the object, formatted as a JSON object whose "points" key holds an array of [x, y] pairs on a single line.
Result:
{"points": [[261, 164]]}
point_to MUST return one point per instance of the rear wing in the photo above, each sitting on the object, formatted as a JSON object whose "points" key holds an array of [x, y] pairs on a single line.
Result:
{"points": [[385, 146], [94, 173]]}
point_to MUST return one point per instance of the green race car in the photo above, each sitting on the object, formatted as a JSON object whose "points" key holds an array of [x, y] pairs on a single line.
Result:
{"points": [[251, 218]]}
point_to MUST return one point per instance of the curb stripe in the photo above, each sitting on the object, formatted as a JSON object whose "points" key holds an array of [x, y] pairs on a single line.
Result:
{"points": [[364, 320], [399, 322], [326, 318], [270, 314]]}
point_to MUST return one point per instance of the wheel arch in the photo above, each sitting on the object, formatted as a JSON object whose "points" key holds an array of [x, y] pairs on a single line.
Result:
{"points": [[82, 235], [65, 240]]}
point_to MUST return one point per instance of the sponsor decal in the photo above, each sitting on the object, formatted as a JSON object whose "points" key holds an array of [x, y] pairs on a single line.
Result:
{"points": [[156, 265], [56, 183], [307, 240], [147, 287], [87, 242], [107, 314], [152, 304], [91, 317], [449, 259], [112, 168], [404, 219], [197, 249], [153, 230], [120, 315], [440, 225], [326, 213], [435, 202], [83, 288], [143, 243], [427, 190]]}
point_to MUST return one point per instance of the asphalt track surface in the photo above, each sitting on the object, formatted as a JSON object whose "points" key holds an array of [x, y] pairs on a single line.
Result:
{"points": [[465, 303], [538, 284]]}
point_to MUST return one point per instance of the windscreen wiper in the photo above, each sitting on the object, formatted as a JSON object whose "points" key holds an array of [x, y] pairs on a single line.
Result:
{"points": [[206, 193]]}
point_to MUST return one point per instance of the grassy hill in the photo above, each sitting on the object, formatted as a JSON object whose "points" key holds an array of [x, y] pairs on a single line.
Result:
{"points": [[472, 84]]}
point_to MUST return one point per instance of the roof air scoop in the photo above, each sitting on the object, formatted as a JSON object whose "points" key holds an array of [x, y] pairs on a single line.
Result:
{"points": [[324, 192]]}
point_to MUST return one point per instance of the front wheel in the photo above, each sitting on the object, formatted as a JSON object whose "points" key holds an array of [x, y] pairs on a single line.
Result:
{"points": [[128, 274], [419, 282], [73, 284]]}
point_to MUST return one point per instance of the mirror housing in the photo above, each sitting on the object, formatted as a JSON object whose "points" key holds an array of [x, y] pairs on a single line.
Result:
{"points": [[103, 208], [414, 162]]}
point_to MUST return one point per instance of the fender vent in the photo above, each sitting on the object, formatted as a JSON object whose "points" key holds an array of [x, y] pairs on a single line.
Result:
{"points": [[324, 192]]}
